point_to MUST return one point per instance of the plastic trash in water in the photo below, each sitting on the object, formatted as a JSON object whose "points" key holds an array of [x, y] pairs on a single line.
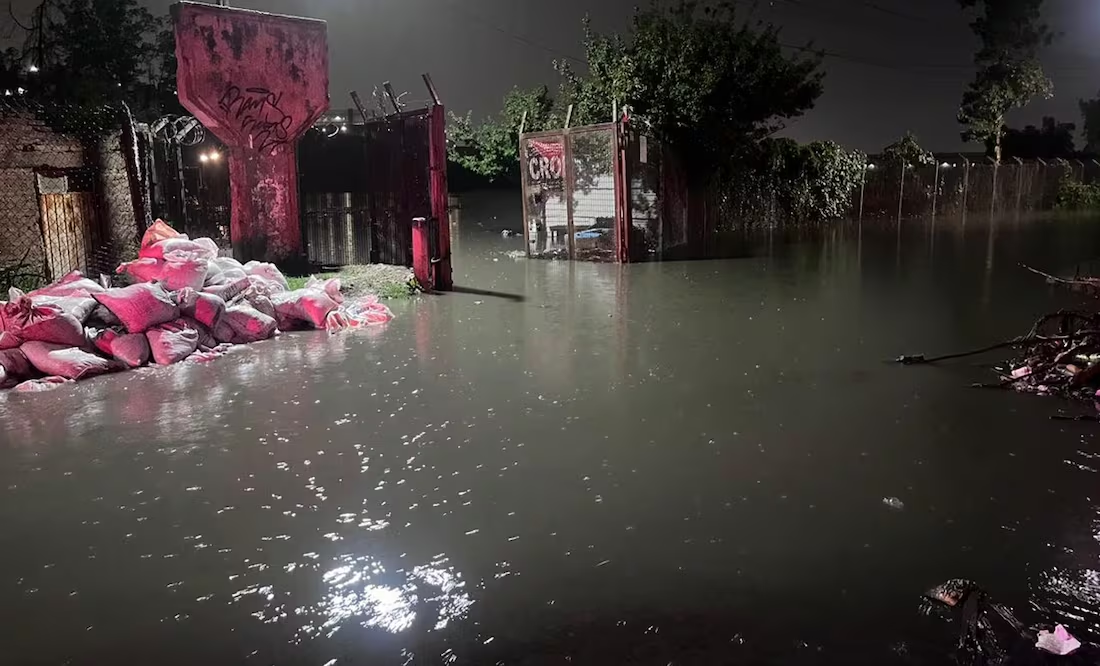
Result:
{"points": [[894, 503], [1058, 642]]}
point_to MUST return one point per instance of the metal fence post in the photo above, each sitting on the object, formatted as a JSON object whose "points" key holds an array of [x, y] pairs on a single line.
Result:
{"points": [[935, 189], [901, 191], [862, 187]]}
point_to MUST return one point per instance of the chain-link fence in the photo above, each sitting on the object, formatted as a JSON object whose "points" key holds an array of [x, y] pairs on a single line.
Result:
{"points": [[71, 193], [954, 186]]}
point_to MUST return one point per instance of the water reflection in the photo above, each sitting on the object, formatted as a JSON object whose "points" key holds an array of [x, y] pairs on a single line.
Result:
{"points": [[358, 590]]}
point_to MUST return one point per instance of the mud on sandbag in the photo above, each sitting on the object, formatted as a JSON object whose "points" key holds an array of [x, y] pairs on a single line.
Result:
{"points": [[130, 349], [67, 362], [172, 342], [141, 306]]}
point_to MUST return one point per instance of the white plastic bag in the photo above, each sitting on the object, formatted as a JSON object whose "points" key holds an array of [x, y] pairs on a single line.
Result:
{"points": [[268, 272]]}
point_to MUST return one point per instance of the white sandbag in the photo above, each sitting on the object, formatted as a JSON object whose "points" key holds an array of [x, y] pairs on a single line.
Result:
{"points": [[172, 342], [67, 362], [158, 231], [224, 333], [80, 307], [266, 271], [207, 309], [72, 284], [248, 325], [42, 385], [228, 263], [140, 307], [131, 349], [181, 270], [214, 275], [309, 305]]}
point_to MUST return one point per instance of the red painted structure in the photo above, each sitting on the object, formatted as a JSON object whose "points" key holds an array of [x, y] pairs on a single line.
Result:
{"points": [[258, 81]]}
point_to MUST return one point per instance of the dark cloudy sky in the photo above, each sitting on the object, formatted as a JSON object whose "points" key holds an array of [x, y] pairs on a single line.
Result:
{"points": [[898, 64]]}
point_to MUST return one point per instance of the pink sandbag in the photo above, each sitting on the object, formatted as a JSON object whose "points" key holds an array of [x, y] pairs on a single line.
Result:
{"points": [[67, 362], [308, 305], [172, 342], [60, 329], [268, 272], [42, 385], [14, 368], [157, 232], [73, 284], [248, 325], [200, 249], [207, 309], [140, 306], [131, 349], [9, 340], [143, 269], [330, 287], [40, 323], [176, 270]]}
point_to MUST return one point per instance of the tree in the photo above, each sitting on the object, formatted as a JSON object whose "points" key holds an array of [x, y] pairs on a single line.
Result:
{"points": [[99, 52], [1090, 110], [702, 81], [1009, 73], [1054, 140], [491, 149], [908, 152]]}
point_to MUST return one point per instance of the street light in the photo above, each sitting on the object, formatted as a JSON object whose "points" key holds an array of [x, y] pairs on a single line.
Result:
{"points": [[204, 158], [33, 69]]}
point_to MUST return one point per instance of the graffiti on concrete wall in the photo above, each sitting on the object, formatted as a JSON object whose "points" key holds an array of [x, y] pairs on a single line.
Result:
{"points": [[256, 112]]}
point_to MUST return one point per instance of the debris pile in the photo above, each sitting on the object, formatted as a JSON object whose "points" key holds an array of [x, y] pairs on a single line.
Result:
{"points": [[1060, 356], [185, 303]]}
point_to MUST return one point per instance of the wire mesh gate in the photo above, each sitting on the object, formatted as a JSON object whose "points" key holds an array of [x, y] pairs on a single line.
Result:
{"points": [[597, 193], [362, 187]]}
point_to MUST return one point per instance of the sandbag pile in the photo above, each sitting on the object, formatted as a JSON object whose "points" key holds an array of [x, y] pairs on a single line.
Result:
{"points": [[185, 304]]}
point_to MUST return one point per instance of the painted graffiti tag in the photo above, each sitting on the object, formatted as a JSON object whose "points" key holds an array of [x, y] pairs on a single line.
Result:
{"points": [[257, 113]]}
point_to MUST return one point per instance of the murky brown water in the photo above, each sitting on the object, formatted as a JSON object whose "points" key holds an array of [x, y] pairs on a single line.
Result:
{"points": [[671, 463]]}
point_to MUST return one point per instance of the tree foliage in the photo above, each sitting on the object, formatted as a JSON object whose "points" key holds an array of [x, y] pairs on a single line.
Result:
{"points": [[780, 180], [907, 151], [702, 80], [1090, 112], [1009, 75], [1051, 141], [490, 149], [96, 52]]}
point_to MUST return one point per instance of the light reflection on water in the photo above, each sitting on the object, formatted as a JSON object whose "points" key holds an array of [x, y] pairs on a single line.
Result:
{"points": [[358, 590]]}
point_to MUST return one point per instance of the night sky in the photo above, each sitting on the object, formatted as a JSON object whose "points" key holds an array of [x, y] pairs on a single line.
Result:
{"points": [[895, 64]]}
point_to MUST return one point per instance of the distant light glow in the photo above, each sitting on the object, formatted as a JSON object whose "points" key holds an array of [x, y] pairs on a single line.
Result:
{"points": [[871, 167], [946, 165], [215, 156], [339, 119], [343, 128], [204, 158], [33, 69]]}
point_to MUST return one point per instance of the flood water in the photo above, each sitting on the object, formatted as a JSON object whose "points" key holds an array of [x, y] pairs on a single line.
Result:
{"points": [[678, 463]]}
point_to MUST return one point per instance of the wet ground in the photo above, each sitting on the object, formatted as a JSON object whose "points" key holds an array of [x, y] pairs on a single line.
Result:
{"points": [[572, 463]]}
